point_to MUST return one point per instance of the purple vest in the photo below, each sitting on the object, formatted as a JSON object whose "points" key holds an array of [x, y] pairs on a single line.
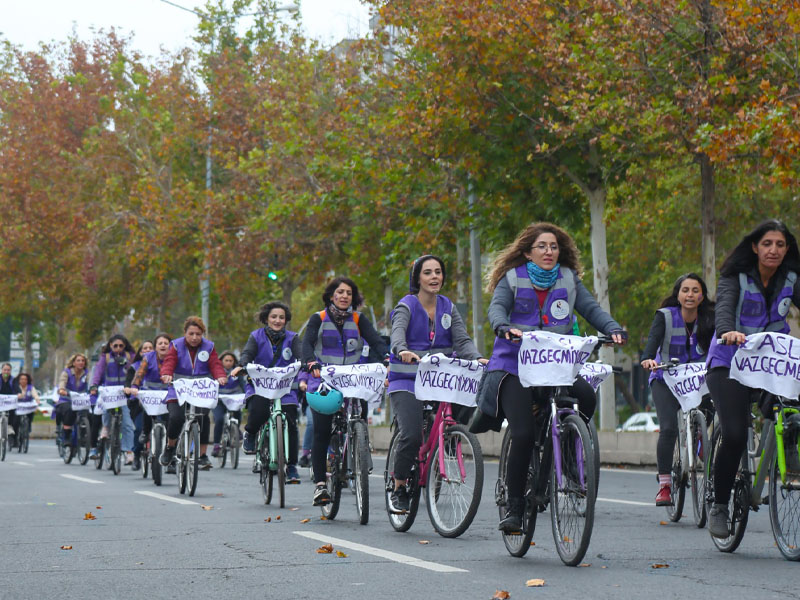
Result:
{"points": [[184, 368], [73, 385], [265, 356], [674, 342], [556, 316], [418, 340], [752, 316], [338, 348], [152, 377], [114, 374]]}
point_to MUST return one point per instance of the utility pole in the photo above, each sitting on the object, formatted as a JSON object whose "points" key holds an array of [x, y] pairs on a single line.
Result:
{"points": [[475, 271]]}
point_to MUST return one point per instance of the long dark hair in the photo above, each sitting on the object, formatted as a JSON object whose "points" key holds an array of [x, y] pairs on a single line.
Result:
{"points": [[742, 258], [327, 295], [118, 336], [416, 269], [705, 310]]}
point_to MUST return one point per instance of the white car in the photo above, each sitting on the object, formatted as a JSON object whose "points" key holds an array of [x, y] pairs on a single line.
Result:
{"points": [[642, 421]]}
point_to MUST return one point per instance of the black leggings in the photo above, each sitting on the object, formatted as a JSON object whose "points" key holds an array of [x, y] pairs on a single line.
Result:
{"points": [[408, 412], [517, 403], [96, 422], [732, 401], [323, 428], [147, 423], [258, 409], [177, 417], [66, 414]]}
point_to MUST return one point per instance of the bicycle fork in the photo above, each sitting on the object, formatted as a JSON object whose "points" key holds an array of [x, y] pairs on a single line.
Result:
{"points": [[555, 413]]}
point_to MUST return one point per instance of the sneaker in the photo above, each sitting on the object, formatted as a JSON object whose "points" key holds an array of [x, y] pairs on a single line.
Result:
{"points": [[167, 456], [171, 470], [12, 440], [104, 433], [321, 495], [664, 496], [248, 443], [142, 438], [304, 461], [94, 454], [128, 458], [719, 521], [256, 466], [512, 522], [137, 462], [291, 474], [216, 450], [66, 439], [398, 501], [204, 464]]}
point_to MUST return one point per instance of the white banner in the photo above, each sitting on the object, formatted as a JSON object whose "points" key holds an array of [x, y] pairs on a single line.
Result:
{"points": [[113, 396], [98, 409], [25, 408], [201, 393], [364, 381], [80, 401], [275, 382], [769, 361], [153, 401], [232, 402], [548, 359], [687, 383], [8, 402], [595, 373], [444, 379]]}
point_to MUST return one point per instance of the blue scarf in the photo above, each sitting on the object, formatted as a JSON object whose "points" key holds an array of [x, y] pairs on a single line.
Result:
{"points": [[542, 278]]}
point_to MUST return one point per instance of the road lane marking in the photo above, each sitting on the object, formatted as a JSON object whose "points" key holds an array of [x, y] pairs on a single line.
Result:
{"points": [[48, 460], [167, 498], [633, 502], [371, 550], [631, 471], [83, 479], [21, 463]]}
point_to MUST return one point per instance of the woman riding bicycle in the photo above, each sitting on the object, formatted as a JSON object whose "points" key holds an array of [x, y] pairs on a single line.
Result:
{"points": [[71, 379], [234, 386], [423, 322], [26, 393], [191, 356], [758, 283], [271, 346], [335, 336], [111, 369], [148, 377], [137, 412], [682, 329], [536, 285]]}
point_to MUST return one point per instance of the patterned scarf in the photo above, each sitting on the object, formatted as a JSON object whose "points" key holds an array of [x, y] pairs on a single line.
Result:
{"points": [[275, 337], [542, 278], [338, 315]]}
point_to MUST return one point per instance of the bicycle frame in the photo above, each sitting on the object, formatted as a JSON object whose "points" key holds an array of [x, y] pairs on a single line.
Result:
{"points": [[442, 420], [555, 418], [277, 409]]}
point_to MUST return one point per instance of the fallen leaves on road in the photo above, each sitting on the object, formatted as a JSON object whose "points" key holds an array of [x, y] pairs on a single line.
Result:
{"points": [[585, 565], [663, 523], [295, 508], [89, 517], [278, 518], [323, 518], [341, 554], [139, 563], [659, 566], [206, 506], [604, 567], [220, 495], [66, 547], [424, 542], [567, 540], [305, 520], [535, 583], [268, 520], [99, 507], [326, 549], [533, 543], [501, 595]]}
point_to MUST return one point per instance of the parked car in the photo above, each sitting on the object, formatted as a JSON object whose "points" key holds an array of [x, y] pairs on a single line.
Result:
{"points": [[642, 421]]}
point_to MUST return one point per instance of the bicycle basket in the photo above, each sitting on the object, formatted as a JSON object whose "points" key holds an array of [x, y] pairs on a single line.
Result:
{"points": [[325, 400]]}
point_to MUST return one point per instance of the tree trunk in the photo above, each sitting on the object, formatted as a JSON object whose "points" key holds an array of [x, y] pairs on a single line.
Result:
{"points": [[287, 287], [388, 305], [27, 341], [162, 306], [475, 270], [709, 259]]}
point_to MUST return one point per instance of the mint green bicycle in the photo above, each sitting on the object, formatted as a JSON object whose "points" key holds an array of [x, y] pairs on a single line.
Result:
{"points": [[272, 448]]}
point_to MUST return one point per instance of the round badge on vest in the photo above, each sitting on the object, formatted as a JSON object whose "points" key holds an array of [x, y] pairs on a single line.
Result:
{"points": [[560, 309], [352, 344], [287, 353], [365, 351], [202, 356], [783, 307], [447, 320]]}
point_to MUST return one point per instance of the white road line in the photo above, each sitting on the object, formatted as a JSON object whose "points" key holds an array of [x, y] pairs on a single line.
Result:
{"points": [[376, 476], [21, 463], [48, 460], [83, 479], [633, 502], [371, 550], [167, 498], [631, 471]]}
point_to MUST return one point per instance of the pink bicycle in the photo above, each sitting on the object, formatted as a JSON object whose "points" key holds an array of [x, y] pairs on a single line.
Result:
{"points": [[449, 467]]}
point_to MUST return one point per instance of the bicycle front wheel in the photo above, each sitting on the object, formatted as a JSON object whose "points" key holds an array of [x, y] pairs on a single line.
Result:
{"points": [[193, 462], [517, 543], [67, 452], [784, 497], [84, 440], [675, 511], [280, 459], [116, 447], [23, 434], [400, 522], [453, 495], [698, 446], [235, 442], [3, 438], [360, 467], [333, 478], [222, 456], [101, 453], [156, 448], [573, 498]]}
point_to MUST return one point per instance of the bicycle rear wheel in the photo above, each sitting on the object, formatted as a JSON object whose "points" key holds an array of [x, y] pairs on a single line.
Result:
{"points": [[101, 453], [359, 444], [572, 500], [266, 475], [193, 463], [738, 505], [784, 496], [84, 439], [116, 446], [280, 459], [401, 522], [235, 443], [156, 448], [596, 447], [181, 456], [517, 544], [333, 480], [675, 512], [453, 496], [3, 437], [67, 452], [23, 434], [222, 457], [698, 446]]}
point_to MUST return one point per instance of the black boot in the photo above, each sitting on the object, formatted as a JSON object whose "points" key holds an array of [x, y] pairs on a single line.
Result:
{"points": [[512, 522]]}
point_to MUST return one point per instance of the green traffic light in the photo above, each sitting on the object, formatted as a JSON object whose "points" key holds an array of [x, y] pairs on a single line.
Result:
{"points": [[273, 275]]}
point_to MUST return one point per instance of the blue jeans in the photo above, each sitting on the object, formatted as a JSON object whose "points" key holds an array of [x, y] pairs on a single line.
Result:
{"points": [[127, 428], [308, 438], [138, 423]]}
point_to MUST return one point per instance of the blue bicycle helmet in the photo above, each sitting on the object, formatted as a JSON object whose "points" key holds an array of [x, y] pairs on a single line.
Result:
{"points": [[325, 400]]}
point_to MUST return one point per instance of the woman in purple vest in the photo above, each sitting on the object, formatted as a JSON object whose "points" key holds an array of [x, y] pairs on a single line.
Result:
{"points": [[758, 283], [148, 377], [271, 346], [134, 406], [335, 336], [71, 379], [234, 386], [112, 367], [536, 285], [682, 328], [189, 356], [423, 322]]}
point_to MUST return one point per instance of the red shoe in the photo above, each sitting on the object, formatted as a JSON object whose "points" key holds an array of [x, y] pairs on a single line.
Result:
{"points": [[664, 496]]}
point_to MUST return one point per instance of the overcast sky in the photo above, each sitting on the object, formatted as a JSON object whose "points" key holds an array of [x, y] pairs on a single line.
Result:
{"points": [[156, 23]]}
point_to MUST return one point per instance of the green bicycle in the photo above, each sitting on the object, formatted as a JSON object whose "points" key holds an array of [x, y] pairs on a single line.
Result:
{"points": [[272, 448]]}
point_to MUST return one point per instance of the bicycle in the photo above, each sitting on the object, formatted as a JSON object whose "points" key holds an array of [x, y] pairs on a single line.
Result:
{"points": [[81, 430], [450, 468], [692, 445], [272, 448], [562, 472], [231, 438], [113, 444], [24, 410], [97, 410], [8, 403]]}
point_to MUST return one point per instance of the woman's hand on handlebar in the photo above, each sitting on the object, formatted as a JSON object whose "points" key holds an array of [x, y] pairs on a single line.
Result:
{"points": [[407, 356], [734, 337], [313, 368], [483, 361], [619, 337], [303, 386], [222, 380], [166, 379], [513, 334], [236, 371], [649, 364]]}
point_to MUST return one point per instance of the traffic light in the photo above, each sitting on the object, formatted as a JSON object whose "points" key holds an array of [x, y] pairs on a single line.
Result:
{"points": [[272, 275]]}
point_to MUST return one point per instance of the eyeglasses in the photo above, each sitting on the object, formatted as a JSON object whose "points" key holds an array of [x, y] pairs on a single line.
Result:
{"points": [[545, 247], [117, 345]]}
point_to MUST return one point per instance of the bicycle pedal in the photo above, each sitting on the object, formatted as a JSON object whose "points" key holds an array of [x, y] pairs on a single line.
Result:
{"points": [[765, 501]]}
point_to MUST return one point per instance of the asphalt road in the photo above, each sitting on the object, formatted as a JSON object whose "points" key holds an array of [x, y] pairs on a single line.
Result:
{"points": [[169, 546]]}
